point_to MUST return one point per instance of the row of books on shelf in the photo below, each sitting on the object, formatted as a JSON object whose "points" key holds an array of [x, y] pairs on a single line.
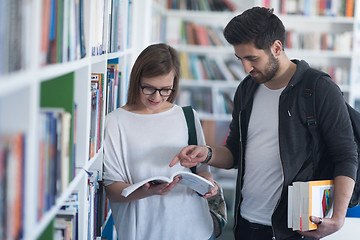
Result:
{"points": [[98, 206], [196, 34], [201, 5], [15, 20], [57, 121], [202, 67], [97, 10], [188, 32], [334, 8], [115, 77], [119, 20], [54, 156], [201, 100], [96, 112], [341, 42], [224, 103], [12, 177], [103, 100], [62, 31], [116, 25], [340, 75], [65, 224], [56, 140], [305, 199]]}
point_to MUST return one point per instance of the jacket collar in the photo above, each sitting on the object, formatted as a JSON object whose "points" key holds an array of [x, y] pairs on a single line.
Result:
{"points": [[301, 67]]}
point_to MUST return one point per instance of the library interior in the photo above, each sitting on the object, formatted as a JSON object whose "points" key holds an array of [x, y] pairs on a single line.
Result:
{"points": [[65, 65]]}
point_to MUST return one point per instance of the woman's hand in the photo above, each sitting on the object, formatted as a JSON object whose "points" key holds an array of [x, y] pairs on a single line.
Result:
{"points": [[214, 191], [150, 189]]}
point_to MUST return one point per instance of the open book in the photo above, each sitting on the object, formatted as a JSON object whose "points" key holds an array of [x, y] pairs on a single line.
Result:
{"points": [[305, 199], [193, 181]]}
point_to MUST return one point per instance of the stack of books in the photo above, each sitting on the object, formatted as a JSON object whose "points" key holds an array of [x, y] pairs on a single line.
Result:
{"points": [[305, 199]]}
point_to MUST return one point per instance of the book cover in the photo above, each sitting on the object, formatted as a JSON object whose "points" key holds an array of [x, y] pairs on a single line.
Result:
{"points": [[318, 202], [193, 181], [98, 78], [93, 121], [48, 233], [45, 29], [349, 8], [305, 199], [202, 37]]}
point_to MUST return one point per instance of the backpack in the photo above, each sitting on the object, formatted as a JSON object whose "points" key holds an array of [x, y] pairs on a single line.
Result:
{"points": [[309, 82]]}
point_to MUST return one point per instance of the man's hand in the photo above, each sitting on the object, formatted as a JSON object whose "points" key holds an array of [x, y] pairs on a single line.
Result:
{"points": [[343, 188], [326, 226], [190, 156]]}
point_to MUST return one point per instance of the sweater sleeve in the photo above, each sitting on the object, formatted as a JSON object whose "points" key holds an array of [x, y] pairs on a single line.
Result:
{"points": [[335, 128], [114, 168]]}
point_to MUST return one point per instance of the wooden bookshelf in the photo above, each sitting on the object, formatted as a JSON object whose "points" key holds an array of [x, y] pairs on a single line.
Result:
{"points": [[47, 62]]}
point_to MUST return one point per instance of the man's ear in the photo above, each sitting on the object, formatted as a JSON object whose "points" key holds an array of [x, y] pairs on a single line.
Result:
{"points": [[277, 48]]}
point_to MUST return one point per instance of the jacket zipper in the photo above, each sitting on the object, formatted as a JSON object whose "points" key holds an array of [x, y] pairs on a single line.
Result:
{"points": [[239, 177], [282, 171]]}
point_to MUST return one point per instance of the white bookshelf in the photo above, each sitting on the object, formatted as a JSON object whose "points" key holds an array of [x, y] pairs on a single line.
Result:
{"points": [[20, 92], [208, 18], [342, 59], [338, 24]]}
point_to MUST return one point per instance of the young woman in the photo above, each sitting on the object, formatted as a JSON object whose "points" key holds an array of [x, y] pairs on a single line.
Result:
{"points": [[141, 138]]}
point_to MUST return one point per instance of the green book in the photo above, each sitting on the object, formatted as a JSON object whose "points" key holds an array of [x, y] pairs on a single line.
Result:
{"points": [[48, 233], [59, 92]]}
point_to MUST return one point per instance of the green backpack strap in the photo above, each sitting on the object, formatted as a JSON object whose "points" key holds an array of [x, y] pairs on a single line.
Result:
{"points": [[190, 121]]}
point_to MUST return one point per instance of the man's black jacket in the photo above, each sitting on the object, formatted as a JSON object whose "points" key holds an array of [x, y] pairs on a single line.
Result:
{"points": [[294, 139]]}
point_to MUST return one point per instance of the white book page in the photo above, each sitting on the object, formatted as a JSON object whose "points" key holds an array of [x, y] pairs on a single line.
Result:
{"points": [[195, 182]]}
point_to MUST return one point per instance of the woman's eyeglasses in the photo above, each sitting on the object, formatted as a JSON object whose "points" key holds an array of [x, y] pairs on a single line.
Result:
{"points": [[164, 92]]}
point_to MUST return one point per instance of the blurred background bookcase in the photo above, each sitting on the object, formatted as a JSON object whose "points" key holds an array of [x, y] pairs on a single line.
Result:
{"points": [[324, 33], [64, 65]]}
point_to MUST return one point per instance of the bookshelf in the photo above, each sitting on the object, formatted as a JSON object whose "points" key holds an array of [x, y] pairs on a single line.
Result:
{"points": [[328, 39], [206, 57], [52, 111]]}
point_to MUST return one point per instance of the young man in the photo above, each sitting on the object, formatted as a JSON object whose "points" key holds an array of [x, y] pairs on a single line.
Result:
{"points": [[269, 142]]}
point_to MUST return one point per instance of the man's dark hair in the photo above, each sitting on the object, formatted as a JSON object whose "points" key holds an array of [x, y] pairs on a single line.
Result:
{"points": [[259, 25]]}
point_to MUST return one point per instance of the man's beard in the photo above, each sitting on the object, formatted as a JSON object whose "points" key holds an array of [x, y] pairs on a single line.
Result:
{"points": [[270, 71]]}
